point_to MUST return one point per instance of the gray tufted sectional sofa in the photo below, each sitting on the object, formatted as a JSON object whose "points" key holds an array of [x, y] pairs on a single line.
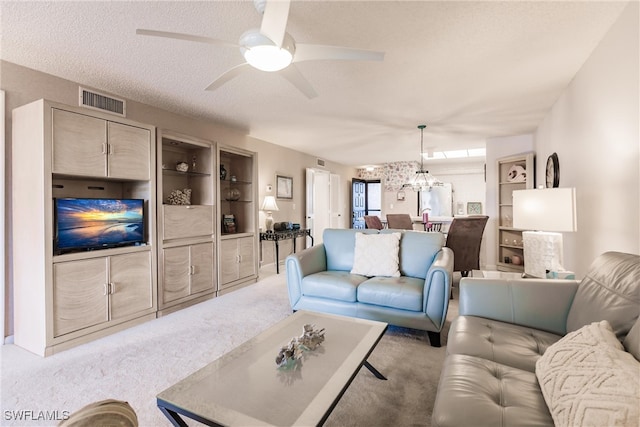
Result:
{"points": [[505, 326]]}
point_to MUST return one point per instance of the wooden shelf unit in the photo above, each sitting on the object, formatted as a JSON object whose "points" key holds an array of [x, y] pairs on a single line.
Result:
{"points": [[509, 241], [62, 151], [186, 259], [238, 195]]}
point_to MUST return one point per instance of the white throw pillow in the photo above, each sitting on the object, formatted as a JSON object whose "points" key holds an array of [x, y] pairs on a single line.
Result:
{"points": [[587, 379], [377, 255]]}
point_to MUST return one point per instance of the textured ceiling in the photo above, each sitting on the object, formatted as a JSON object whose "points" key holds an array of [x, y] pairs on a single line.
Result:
{"points": [[469, 70]]}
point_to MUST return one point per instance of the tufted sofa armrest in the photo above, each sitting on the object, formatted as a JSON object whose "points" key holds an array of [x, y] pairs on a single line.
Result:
{"points": [[536, 303], [301, 264], [437, 287]]}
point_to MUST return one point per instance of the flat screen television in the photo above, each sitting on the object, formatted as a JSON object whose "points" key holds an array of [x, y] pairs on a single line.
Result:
{"points": [[88, 224]]}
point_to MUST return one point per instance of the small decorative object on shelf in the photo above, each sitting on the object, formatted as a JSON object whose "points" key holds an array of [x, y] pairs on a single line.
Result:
{"points": [[516, 260], [223, 173], [180, 197], [182, 166], [517, 173], [233, 195], [193, 163], [233, 178], [309, 340], [229, 223]]}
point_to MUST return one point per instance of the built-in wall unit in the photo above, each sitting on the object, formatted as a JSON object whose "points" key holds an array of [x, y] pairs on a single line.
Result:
{"points": [[514, 173], [84, 260], [186, 220], [238, 218]]}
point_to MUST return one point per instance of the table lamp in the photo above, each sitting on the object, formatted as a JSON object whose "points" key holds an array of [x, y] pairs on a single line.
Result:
{"points": [[269, 205], [549, 212]]}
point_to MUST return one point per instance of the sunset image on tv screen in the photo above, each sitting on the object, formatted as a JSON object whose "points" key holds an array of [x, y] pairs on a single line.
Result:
{"points": [[93, 223]]}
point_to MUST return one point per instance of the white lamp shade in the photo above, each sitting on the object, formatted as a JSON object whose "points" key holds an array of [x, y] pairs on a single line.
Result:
{"points": [[269, 204], [549, 209]]}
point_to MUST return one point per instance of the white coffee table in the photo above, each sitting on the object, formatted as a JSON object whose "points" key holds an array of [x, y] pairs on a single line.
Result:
{"points": [[245, 386]]}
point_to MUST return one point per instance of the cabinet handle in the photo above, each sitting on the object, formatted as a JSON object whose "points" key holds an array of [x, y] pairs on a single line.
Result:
{"points": [[104, 148], [110, 148], [112, 288], [106, 289], [192, 270]]}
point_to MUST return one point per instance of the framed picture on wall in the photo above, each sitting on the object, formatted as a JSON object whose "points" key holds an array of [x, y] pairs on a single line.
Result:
{"points": [[284, 187]]}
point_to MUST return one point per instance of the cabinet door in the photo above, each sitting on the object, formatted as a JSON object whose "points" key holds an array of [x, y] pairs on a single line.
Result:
{"points": [[130, 281], [246, 250], [129, 152], [228, 260], [79, 144], [201, 267], [175, 273], [79, 295]]}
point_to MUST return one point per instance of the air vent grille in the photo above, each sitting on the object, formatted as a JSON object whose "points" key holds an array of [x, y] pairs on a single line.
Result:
{"points": [[102, 102], [320, 162]]}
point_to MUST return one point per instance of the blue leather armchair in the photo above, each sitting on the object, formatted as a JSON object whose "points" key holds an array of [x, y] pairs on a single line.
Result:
{"points": [[319, 279]]}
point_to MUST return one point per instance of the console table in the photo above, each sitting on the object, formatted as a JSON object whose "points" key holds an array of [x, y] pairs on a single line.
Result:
{"points": [[276, 236]]}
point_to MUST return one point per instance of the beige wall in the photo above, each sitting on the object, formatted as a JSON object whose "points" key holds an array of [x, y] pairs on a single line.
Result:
{"points": [[23, 85], [594, 127]]}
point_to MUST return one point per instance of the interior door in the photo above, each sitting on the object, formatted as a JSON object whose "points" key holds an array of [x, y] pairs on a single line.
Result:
{"points": [[335, 204], [318, 202], [358, 199]]}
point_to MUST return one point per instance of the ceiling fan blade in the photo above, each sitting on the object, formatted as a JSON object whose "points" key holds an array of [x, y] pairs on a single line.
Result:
{"points": [[296, 78], [311, 52], [274, 20], [182, 36], [227, 75]]}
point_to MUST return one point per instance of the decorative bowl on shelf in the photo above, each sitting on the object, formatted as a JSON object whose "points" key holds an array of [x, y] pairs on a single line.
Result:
{"points": [[182, 166], [233, 195]]}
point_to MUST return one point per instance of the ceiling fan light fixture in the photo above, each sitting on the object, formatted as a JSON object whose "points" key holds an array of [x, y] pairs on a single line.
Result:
{"points": [[262, 53]]}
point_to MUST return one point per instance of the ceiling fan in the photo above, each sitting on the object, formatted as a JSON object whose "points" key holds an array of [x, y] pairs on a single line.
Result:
{"points": [[271, 48]]}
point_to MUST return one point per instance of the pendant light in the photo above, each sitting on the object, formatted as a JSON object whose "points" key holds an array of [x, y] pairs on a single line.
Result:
{"points": [[423, 179]]}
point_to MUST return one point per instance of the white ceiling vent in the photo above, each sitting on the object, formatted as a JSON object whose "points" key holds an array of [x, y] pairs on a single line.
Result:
{"points": [[100, 101], [320, 162]]}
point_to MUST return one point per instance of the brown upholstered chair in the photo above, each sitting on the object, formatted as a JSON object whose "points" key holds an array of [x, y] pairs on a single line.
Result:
{"points": [[372, 221], [464, 238], [399, 221]]}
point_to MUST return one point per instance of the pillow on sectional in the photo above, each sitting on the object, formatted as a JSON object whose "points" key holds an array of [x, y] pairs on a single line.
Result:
{"points": [[376, 255], [587, 379]]}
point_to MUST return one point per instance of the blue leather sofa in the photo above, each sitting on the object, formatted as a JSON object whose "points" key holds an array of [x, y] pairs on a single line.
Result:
{"points": [[319, 279]]}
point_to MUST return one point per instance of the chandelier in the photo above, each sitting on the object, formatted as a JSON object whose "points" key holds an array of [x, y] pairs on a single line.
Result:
{"points": [[423, 179]]}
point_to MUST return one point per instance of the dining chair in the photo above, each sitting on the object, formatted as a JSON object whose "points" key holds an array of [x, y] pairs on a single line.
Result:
{"points": [[372, 221], [399, 221], [464, 238]]}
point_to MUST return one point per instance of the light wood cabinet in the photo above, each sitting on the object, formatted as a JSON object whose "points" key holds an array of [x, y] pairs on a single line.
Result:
{"points": [[94, 291], [238, 203], [65, 300], [188, 271], [514, 173], [89, 146], [237, 261]]}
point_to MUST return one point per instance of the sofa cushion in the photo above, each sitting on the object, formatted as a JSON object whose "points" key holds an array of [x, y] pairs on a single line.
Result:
{"points": [[404, 293], [376, 255], [505, 343], [479, 392], [339, 246], [588, 379], [338, 285], [417, 251], [609, 291]]}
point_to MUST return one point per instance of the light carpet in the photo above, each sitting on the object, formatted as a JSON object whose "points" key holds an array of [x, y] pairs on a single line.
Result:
{"points": [[136, 364]]}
